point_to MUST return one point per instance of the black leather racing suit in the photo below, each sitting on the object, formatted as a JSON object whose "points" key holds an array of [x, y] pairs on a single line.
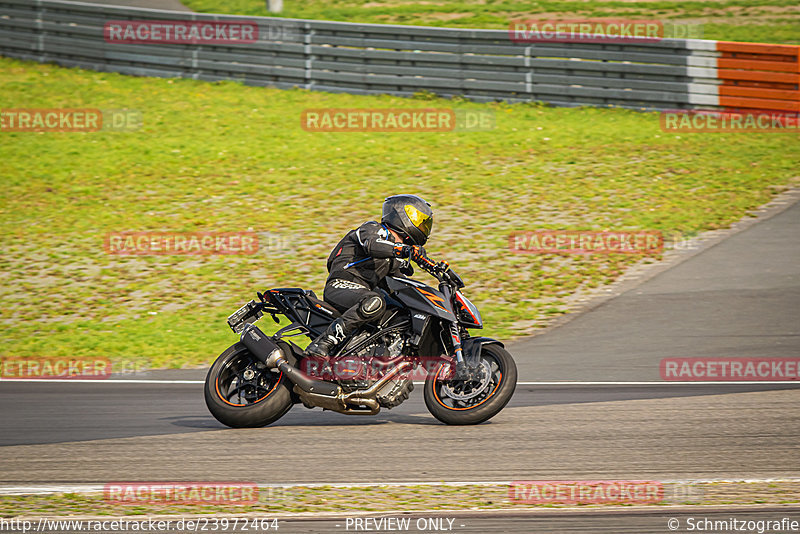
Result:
{"points": [[357, 265]]}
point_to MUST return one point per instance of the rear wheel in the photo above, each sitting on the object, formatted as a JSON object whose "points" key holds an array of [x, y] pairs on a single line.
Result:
{"points": [[469, 402], [241, 392]]}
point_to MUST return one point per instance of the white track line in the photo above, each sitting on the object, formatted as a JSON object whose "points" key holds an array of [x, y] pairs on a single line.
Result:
{"points": [[552, 383]]}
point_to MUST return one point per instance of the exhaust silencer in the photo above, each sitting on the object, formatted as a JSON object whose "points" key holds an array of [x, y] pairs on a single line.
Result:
{"points": [[267, 351]]}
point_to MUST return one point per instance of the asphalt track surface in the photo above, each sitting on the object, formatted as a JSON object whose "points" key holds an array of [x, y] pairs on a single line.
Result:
{"points": [[85, 433]]}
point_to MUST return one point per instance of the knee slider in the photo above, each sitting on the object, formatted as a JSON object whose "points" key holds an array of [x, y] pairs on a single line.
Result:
{"points": [[371, 307]]}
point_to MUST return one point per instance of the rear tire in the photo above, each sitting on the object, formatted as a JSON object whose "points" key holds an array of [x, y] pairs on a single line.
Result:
{"points": [[486, 403], [241, 392]]}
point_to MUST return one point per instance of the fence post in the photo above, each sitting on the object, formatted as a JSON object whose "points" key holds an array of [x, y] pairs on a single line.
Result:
{"points": [[308, 32]]}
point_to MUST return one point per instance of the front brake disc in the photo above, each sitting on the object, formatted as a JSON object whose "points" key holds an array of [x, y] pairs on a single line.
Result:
{"points": [[467, 389]]}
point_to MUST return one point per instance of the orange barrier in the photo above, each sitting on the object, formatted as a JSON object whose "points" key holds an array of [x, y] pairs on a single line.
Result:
{"points": [[759, 76]]}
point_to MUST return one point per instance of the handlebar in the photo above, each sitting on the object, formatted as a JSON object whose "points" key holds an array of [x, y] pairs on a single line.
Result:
{"points": [[441, 271]]}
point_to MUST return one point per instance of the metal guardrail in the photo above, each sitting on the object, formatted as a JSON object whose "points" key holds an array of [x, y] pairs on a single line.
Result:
{"points": [[482, 65]]}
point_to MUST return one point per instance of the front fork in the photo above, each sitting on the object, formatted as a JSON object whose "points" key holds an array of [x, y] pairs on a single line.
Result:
{"points": [[455, 335]]}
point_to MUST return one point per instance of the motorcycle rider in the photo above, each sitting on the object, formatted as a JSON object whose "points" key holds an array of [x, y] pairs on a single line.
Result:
{"points": [[366, 255]]}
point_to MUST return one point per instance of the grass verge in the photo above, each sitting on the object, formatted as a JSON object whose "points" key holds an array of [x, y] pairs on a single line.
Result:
{"points": [[226, 157], [389, 498], [768, 21]]}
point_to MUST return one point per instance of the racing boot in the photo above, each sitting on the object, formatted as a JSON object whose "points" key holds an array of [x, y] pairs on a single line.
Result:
{"points": [[328, 340]]}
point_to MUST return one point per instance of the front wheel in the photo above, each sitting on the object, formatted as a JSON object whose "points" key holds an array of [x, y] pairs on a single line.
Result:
{"points": [[457, 402], [241, 392]]}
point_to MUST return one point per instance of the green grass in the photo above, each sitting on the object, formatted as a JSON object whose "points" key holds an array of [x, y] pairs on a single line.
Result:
{"points": [[272, 501], [225, 157], [769, 21]]}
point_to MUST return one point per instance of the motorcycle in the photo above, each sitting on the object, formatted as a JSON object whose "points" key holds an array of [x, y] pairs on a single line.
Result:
{"points": [[423, 332]]}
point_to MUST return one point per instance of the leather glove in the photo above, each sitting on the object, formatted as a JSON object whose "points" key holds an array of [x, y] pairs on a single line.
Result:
{"points": [[415, 253], [418, 254]]}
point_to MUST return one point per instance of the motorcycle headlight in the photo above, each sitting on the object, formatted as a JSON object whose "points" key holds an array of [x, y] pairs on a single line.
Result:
{"points": [[468, 314]]}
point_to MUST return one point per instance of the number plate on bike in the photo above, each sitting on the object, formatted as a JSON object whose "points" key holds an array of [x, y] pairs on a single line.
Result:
{"points": [[249, 313]]}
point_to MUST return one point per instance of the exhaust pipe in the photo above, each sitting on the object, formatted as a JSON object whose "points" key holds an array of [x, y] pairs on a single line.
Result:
{"points": [[344, 402], [371, 391], [320, 392], [372, 404], [366, 397], [267, 351]]}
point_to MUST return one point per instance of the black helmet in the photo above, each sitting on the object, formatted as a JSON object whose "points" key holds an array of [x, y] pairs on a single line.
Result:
{"points": [[410, 216]]}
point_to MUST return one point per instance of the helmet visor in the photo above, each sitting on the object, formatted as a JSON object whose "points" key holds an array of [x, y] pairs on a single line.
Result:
{"points": [[420, 220]]}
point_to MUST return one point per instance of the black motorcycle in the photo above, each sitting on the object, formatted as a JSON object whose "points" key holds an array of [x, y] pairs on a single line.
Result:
{"points": [[424, 332]]}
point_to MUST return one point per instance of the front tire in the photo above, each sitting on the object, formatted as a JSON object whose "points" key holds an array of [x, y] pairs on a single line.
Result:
{"points": [[241, 392], [471, 403]]}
